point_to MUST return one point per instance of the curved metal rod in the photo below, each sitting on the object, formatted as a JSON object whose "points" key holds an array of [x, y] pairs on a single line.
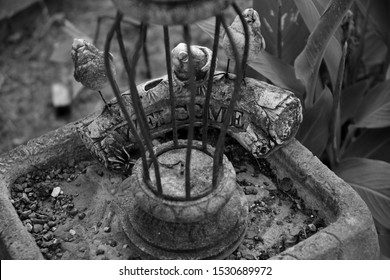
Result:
{"points": [[170, 81], [137, 104], [246, 34], [237, 86], [210, 81], [190, 134], [118, 95]]}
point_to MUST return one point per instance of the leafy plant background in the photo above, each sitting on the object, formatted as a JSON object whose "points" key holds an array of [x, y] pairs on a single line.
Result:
{"points": [[334, 55]]}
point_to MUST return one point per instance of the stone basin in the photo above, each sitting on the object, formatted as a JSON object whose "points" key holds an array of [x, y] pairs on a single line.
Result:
{"points": [[347, 230]]}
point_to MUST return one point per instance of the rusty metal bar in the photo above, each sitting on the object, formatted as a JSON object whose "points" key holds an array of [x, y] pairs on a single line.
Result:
{"points": [[190, 134], [246, 34], [118, 95], [170, 82], [210, 81], [137, 104], [237, 86], [146, 58]]}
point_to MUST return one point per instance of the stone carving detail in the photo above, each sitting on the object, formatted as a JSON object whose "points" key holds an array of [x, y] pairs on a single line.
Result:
{"points": [[265, 117]]}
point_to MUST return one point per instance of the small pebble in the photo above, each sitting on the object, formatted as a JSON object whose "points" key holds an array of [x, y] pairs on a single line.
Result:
{"points": [[27, 190], [56, 191], [81, 215], [112, 243], [250, 190], [82, 249], [37, 228], [72, 232], [51, 223], [100, 250], [55, 243], [18, 188], [26, 213], [312, 227], [29, 227], [249, 257], [69, 206], [32, 215], [44, 250], [258, 238], [48, 236], [107, 229], [25, 198], [74, 212]]}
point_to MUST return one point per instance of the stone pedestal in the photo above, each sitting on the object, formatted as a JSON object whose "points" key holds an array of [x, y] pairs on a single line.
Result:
{"points": [[209, 224]]}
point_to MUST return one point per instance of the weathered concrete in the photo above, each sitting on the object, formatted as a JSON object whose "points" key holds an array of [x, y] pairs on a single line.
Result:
{"points": [[350, 234], [211, 224]]}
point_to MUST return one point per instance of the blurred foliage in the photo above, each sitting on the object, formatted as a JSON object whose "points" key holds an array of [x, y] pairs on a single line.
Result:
{"points": [[334, 55]]}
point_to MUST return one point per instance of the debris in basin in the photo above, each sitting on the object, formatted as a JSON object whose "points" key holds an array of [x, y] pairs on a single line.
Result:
{"points": [[81, 215], [100, 250], [312, 227], [56, 191], [81, 223]]}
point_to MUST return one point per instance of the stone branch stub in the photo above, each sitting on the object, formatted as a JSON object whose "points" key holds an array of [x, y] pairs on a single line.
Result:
{"points": [[265, 118]]}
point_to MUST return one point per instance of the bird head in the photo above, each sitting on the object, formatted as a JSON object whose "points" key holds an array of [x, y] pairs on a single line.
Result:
{"points": [[82, 49], [180, 56], [201, 61], [251, 16]]}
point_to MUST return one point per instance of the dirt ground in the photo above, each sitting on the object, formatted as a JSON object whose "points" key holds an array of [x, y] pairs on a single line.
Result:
{"points": [[28, 66]]}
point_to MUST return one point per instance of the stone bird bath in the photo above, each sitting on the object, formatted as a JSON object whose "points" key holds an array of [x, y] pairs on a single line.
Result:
{"points": [[89, 225]]}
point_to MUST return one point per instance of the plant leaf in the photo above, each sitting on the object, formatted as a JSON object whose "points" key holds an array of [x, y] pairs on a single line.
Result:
{"points": [[374, 111], [375, 49], [208, 26], [384, 239], [308, 62], [278, 72], [332, 56], [314, 130], [370, 178], [351, 98], [373, 144], [379, 15], [274, 69], [294, 30]]}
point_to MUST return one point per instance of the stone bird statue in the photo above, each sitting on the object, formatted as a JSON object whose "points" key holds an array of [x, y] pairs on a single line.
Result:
{"points": [[201, 63], [89, 67], [256, 40]]}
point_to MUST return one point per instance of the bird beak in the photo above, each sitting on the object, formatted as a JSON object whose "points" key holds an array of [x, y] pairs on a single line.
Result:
{"points": [[183, 56], [77, 43]]}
